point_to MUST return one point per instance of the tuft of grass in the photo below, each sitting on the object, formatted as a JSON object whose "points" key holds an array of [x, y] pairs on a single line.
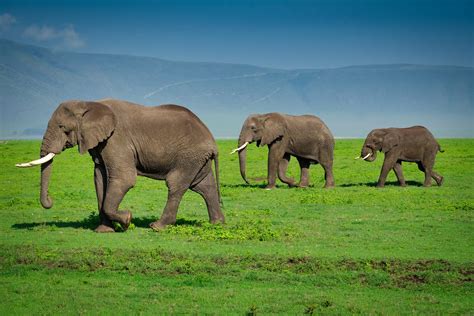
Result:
{"points": [[258, 229]]}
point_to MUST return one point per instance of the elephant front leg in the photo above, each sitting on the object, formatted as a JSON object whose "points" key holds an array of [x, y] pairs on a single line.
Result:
{"points": [[100, 181], [304, 177], [282, 168], [116, 190], [399, 173], [388, 164], [275, 155]]}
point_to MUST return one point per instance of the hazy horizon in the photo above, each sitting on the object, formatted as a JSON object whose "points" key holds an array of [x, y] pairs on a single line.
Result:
{"points": [[351, 100]]}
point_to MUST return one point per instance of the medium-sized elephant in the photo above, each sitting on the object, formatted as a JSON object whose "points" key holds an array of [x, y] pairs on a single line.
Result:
{"points": [[411, 144], [306, 137], [166, 142]]}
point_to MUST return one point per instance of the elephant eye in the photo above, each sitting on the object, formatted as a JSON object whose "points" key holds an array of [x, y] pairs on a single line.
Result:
{"points": [[64, 129], [253, 127]]}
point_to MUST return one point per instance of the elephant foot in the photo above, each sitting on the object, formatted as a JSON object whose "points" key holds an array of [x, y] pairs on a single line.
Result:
{"points": [[379, 185], [303, 185], [128, 222], [403, 184], [289, 181], [270, 187], [157, 226], [329, 183], [125, 219], [217, 221], [104, 229], [440, 181]]}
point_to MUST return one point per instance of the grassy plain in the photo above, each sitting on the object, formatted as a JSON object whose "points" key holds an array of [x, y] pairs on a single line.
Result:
{"points": [[354, 249]]}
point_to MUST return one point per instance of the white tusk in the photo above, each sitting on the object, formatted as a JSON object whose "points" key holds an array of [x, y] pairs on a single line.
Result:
{"points": [[240, 148], [367, 156], [40, 161]]}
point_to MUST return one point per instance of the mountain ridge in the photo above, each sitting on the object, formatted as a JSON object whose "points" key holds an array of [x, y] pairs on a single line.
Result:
{"points": [[351, 100]]}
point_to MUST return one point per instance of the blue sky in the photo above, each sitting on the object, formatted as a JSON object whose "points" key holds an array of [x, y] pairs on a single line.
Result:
{"points": [[280, 34]]}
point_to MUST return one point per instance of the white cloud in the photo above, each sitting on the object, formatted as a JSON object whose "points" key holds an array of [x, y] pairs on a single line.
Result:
{"points": [[71, 38], [67, 37], [40, 34], [6, 20]]}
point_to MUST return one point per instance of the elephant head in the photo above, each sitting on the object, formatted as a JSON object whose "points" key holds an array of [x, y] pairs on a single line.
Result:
{"points": [[264, 129], [81, 123], [382, 140]]}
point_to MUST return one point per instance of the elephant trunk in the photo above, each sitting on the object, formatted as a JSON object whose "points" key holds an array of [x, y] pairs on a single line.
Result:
{"points": [[45, 199], [368, 154], [51, 144], [243, 163], [245, 138]]}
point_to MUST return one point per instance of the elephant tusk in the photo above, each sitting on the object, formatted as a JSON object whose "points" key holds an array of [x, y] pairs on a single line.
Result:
{"points": [[40, 161], [240, 148], [367, 156]]}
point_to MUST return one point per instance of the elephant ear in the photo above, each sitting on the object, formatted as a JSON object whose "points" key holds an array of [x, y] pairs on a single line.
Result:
{"points": [[273, 128], [96, 125], [389, 141]]}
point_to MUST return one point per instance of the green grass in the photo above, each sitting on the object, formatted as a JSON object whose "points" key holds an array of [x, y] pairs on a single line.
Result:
{"points": [[354, 249]]}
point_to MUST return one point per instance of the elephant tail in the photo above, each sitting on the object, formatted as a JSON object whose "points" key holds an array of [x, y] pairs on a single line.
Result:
{"points": [[439, 149], [216, 167]]}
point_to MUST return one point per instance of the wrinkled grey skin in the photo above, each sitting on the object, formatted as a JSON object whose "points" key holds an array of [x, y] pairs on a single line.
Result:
{"points": [[412, 144], [165, 142], [305, 137]]}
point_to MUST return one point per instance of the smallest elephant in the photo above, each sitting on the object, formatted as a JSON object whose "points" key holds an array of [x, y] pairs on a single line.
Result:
{"points": [[412, 144]]}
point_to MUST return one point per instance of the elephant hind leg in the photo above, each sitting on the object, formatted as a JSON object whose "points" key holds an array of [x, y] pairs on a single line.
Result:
{"points": [[437, 177], [328, 175], [420, 166], [427, 168], [207, 188], [177, 182]]}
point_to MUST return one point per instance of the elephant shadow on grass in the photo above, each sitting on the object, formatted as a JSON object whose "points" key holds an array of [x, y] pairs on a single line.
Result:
{"points": [[374, 184], [91, 222], [260, 186], [144, 222], [245, 185]]}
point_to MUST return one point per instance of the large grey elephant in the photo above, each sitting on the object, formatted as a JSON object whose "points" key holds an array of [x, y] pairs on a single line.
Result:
{"points": [[306, 137], [166, 142], [412, 144]]}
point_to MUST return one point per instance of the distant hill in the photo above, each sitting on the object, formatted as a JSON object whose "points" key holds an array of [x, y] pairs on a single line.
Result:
{"points": [[351, 100]]}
